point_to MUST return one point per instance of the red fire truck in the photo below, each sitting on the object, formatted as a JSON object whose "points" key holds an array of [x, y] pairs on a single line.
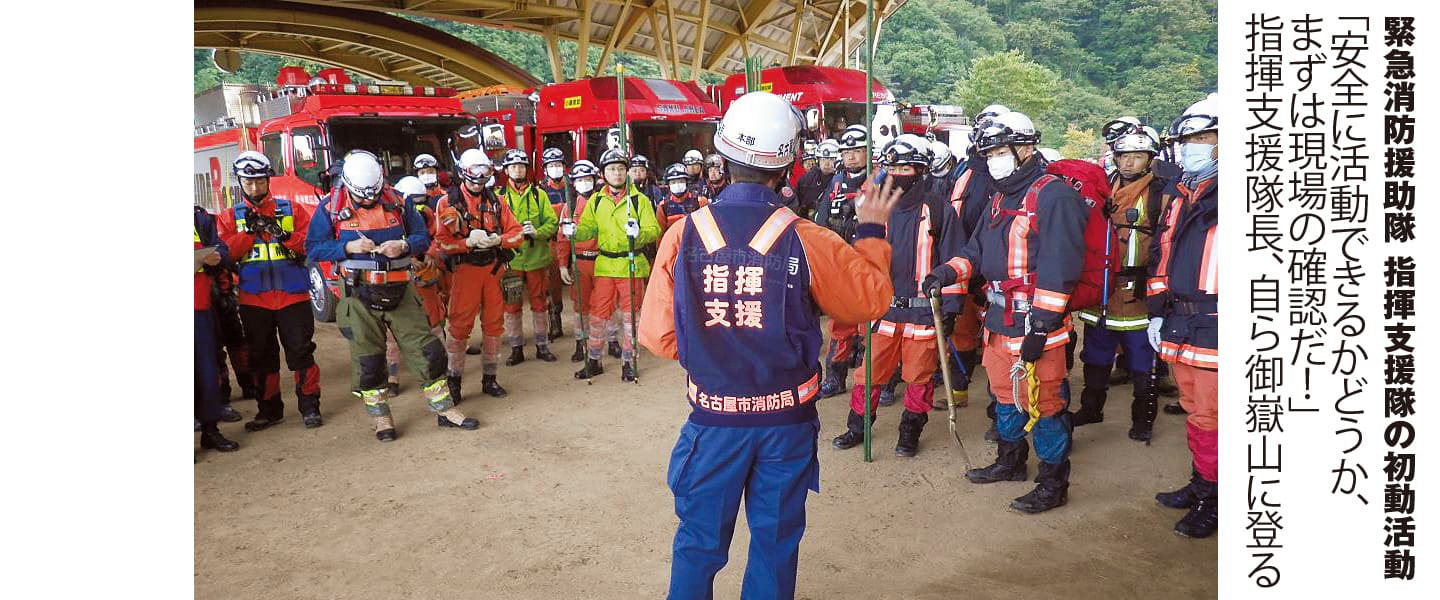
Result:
{"points": [[304, 123], [666, 118], [831, 98], [944, 122]]}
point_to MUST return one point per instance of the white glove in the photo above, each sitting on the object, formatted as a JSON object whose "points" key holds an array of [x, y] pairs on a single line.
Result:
{"points": [[632, 228], [476, 236], [1153, 331], [567, 228], [527, 229], [490, 241], [565, 276]]}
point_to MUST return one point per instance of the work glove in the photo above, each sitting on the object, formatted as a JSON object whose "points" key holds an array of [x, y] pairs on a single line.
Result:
{"points": [[1153, 331], [1033, 346], [276, 231], [567, 228], [257, 224], [947, 324], [565, 276], [476, 236], [632, 228], [939, 277], [490, 241], [529, 230]]}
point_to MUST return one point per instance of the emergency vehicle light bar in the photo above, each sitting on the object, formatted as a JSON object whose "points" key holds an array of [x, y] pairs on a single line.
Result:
{"points": [[382, 89]]}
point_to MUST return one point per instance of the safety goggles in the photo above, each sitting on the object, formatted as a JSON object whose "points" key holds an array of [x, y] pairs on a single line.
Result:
{"points": [[1191, 124], [1115, 129]]}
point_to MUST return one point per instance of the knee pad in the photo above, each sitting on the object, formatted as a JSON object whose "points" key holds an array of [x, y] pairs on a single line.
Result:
{"points": [[435, 358], [372, 371]]}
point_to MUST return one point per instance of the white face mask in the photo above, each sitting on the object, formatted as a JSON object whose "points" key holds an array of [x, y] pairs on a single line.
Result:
{"points": [[555, 172], [584, 186], [428, 179], [677, 188], [1195, 158], [1001, 166]]}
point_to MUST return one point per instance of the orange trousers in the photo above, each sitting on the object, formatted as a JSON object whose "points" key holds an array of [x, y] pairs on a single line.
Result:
{"points": [[475, 290], [1050, 369], [966, 335]]}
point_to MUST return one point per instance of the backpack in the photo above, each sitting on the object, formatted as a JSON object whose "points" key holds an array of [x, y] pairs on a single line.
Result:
{"points": [[1100, 266], [1102, 254]]}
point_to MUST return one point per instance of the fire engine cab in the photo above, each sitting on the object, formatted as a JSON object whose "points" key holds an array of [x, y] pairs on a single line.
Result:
{"points": [[303, 123], [665, 118], [944, 122]]}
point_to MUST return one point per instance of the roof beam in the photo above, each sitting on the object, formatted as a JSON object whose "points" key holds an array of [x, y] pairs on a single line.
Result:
{"points": [[582, 55], [701, 33], [750, 14]]}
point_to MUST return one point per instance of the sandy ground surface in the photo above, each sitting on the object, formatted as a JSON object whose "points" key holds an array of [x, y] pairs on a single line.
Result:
{"points": [[561, 494]]}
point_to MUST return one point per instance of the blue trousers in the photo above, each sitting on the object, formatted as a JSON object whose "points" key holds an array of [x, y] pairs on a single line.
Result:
{"points": [[711, 468], [1052, 434], [207, 371], [1101, 345]]}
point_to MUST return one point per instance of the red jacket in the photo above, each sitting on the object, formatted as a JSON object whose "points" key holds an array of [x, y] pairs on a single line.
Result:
{"points": [[240, 243]]}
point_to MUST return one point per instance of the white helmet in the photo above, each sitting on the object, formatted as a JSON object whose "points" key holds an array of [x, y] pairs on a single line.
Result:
{"points": [[940, 154], [1008, 129], [1122, 126], [410, 185], [1202, 116], [990, 112], [829, 149], [760, 130], [1051, 154], [252, 165], [907, 149], [425, 161], [362, 174], [1135, 142], [475, 166], [693, 157], [854, 137]]}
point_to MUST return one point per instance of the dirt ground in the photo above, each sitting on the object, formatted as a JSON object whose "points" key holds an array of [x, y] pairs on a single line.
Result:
{"points": [[561, 494]]}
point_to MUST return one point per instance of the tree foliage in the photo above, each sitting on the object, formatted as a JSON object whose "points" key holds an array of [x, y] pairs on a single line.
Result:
{"points": [[1063, 62]]}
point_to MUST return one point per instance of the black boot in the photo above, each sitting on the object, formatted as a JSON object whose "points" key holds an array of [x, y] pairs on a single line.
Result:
{"points": [[228, 414], [1120, 375], [1052, 491], [1202, 519], [1009, 464], [260, 423], [543, 353], [1092, 396], [911, 424], [212, 439], [1166, 386], [1174, 408], [248, 392], [557, 331], [491, 387], [834, 382], [1184, 497], [854, 432], [591, 369], [627, 371], [993, 433], [887, 393], [312, 420], [579, 354], [453, 382], [517, 356], [1142, 409], [614, 349]]}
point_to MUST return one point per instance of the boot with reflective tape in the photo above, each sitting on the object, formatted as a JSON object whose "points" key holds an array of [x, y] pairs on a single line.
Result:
{"points": [[452, 417], [1052, 491]]}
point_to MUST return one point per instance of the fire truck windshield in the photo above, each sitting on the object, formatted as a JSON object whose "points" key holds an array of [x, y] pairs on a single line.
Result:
{"points": [[663, 142], [397, 141], [839, 115]]}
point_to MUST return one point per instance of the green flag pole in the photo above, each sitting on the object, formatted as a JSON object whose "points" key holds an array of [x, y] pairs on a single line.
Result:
{"points": [[869, 114]]}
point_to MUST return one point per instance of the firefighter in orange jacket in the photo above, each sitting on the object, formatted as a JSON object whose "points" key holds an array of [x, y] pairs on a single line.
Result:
{"points": [[1183, 298], [922, 231], [266, 235], [476, 232], [742, 277], [1032, 263], [679, 200]]}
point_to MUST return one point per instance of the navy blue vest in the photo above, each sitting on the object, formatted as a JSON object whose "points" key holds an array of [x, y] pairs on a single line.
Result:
{"points": [[747, 329]]}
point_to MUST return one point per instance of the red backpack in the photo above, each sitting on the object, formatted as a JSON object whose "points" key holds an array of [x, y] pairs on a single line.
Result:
{"points": [[1089, 179]]}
